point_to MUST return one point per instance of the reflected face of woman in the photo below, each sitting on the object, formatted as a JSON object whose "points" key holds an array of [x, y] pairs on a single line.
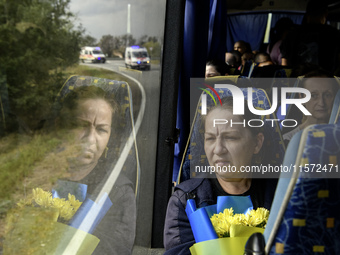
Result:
{"points": [[91, 132], [227, 145], [322, 97], [210, 71]]}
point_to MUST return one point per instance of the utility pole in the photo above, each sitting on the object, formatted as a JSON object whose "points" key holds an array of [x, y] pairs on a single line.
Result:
{"points": [[128, 30]]}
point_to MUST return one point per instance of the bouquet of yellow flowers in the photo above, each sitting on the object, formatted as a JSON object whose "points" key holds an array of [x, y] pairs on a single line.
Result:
{"points": [[50, 223], [65, 208], [219, 230]]}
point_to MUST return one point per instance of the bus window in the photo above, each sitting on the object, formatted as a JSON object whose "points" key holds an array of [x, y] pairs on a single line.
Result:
{"points": [[81, 135]]}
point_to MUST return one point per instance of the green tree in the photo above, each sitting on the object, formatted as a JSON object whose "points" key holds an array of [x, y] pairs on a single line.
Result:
{"points": [[39, 40], [107, 44], [88, 40], [127, 40], [154, 48]]}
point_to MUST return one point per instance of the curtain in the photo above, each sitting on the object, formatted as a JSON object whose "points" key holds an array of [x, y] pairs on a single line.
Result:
{"points": [[204, 38], [251, 27], [247, 27]]}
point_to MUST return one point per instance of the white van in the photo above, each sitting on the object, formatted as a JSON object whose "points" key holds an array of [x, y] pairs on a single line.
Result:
{"points": [[92, 55], [137, 57]]}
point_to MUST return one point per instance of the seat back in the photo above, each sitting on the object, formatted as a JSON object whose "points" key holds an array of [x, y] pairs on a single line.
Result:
{"points": [[247, 68], [283, 73], [194, 152], [292, 112], [304, 217], [334, 118]]}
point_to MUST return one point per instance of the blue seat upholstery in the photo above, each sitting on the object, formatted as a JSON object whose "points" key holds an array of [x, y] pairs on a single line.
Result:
{"points": [[194, 153], [247, 68], [305, 214], [283, 73], [335, 110], [291, 111]]}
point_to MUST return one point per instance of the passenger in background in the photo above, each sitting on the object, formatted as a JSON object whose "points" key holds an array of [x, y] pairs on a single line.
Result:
{"points": [[230, 59], [323, 90], [282, 27], [245, 49], [314, 41], [262, 59], [247, 56], [216, 67], [237, 56], [242, 47], [233, 60]]}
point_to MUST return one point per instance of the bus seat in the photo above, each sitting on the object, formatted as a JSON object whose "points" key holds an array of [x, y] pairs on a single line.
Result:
{"points": [[252, 68], [234, 71], [194, 152], [265, 71], [239, 81], [245, 70], [335, 110], [305, 214], [123, 155], [292, 112], [283, 73]]}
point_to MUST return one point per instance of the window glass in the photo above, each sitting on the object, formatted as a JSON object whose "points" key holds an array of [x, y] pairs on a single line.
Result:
{"points": [[78, 133]]}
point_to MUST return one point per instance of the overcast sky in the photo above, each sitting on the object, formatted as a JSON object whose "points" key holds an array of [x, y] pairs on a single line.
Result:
{"points": [[103, 17]]}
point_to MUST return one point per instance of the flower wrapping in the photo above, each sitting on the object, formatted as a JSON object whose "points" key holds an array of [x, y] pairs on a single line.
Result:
{"points": [[207, 240], [93, 211], [35, 230]]}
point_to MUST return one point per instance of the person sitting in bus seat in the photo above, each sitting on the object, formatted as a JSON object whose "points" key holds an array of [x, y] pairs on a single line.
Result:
{"points": [[233, 60], [262, 59], [224, 145], [314, 41], [230, 59], [242, 47], [282, 27], [323, 89], [216, 67]]}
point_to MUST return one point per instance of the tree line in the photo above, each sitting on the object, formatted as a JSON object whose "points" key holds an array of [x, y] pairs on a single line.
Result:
{"points": [[38, 41], [114, 46]]}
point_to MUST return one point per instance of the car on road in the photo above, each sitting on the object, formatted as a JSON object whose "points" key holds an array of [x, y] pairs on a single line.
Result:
{"points": [[92, 55], [137, 57]]}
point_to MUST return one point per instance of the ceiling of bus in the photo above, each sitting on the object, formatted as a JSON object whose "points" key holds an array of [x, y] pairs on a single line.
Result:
{"points": [[291, 5]]}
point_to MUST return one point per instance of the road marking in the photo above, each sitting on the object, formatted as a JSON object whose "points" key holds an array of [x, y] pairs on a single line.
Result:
{"points": [[128, 69]]}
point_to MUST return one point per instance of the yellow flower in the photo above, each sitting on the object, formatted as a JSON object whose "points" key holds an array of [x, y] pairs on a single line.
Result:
{"points": [[66, 211], [222, 221], [74, 202], [256, 218], [42, 198], [66, 208]]}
